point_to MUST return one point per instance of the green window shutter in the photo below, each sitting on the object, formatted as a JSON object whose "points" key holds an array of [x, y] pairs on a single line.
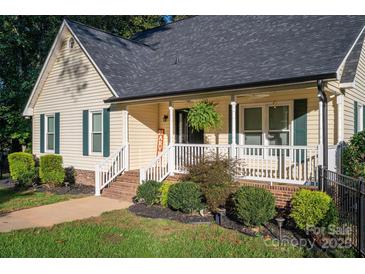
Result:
{"points": [[300, 126], [300, 122], [230, 123], [85, 132], [57, 133], [355, 117], [41, 134], [106, 132]]}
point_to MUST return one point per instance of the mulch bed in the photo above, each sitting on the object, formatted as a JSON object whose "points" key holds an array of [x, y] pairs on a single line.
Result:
{"points": [[74, 189], [270, 230], [158, 212]]}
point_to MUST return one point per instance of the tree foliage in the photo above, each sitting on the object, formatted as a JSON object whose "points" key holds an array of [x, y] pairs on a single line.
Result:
{"points": [[24, 45]]}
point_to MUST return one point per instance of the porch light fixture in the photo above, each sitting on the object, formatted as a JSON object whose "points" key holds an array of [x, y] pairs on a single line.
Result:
{"points": [[165, 117]]}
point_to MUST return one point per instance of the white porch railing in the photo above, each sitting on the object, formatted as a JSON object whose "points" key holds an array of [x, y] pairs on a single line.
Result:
{"points": [[283, 164], [159, 168], [190, 154], [110, 168]]}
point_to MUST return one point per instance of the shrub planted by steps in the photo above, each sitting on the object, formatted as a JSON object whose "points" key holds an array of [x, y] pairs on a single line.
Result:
{"points": [[185, 197], [149, 192]]}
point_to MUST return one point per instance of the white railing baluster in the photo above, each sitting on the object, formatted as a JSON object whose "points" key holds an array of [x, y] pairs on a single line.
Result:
{"points": [[107, 170]]}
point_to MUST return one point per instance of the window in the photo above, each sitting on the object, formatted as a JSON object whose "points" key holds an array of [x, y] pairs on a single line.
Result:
{"points": [[96, 132], [50, 133], [267, 125], [253, 126], [278, 125], [71, 43]]}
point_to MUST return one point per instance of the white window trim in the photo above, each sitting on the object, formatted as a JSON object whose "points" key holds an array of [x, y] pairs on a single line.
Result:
{"points": [[46, 132], [265, 120], [360, 110], [91, 112]]}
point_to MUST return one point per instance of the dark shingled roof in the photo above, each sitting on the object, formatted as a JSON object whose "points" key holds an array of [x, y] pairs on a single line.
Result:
{"points": [[349, 71], [217, 52]]}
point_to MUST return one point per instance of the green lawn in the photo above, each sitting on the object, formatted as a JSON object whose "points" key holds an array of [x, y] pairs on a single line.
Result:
{"points": [[11, 200], [122, 234]]}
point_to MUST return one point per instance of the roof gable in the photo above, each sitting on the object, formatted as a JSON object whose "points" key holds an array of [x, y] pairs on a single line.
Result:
{"points": [[50, 61]]}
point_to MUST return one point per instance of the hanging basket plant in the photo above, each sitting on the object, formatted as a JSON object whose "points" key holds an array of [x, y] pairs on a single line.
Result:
{"points": [[203, 116]]}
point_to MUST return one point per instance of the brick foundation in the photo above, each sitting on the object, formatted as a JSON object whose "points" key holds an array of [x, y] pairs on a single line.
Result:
{"points": [[85, 177], [283, 192]]}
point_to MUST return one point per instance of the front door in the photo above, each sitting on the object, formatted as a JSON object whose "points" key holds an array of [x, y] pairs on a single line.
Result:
{"points": [[184, 133]]}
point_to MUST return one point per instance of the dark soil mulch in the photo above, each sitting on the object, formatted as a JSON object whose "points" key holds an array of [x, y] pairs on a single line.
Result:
{"points": [[270, 230], [158, 212], [74, 189]]}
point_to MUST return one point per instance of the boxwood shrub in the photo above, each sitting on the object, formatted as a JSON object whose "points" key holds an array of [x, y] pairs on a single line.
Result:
{"points": [[164, 193], [51, 170], [22, 167], [311, 208], [253, 206], [185, 196], [149, 192]]}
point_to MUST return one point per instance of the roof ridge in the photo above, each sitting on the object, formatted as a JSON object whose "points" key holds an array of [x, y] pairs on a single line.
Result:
{"points": [[107, 32], [135, 36]]}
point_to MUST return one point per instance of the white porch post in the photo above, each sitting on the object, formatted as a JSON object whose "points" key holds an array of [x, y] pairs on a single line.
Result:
{"points": [[97, 180], [126, 136], [171, 140], [340, 121], [233, 122]]}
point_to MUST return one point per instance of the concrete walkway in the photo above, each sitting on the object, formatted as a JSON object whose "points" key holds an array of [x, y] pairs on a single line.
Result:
{"points": [[61, 212]]}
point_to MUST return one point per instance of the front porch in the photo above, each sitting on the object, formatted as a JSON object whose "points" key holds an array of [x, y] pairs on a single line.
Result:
{"points": [[281, 164], [278, 135]]}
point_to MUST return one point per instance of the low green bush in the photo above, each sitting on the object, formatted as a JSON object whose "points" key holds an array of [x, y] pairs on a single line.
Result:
{"points": [[253, 206], [216, 195], [310, 208], [70, 175], [165, 192], [332, 216], [149, 192], [51, 170], [186, 197], [22, 167], [354, 156]]}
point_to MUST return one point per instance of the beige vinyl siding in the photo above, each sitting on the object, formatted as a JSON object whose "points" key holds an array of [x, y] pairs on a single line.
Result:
{"points": [[289, 95], [74, 85], [143, 128], [354, 94]]}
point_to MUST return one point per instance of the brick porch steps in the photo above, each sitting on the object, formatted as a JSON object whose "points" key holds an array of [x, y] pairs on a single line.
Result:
{"points": [[124, 187]]}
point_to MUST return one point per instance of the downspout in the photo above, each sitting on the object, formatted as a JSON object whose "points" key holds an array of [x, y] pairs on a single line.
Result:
{"points": [[323, 99]]}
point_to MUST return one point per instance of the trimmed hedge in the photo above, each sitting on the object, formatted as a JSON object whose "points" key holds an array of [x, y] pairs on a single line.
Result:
{"points": [[51, 170], [253, 206], [186, 197], [164, 193], [22, 167], [149, 192], [311, 208]]}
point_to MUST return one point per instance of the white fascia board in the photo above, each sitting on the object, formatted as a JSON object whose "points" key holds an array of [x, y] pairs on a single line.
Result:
{"points": [[347, 85], [28, 110], [92, 61]]}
